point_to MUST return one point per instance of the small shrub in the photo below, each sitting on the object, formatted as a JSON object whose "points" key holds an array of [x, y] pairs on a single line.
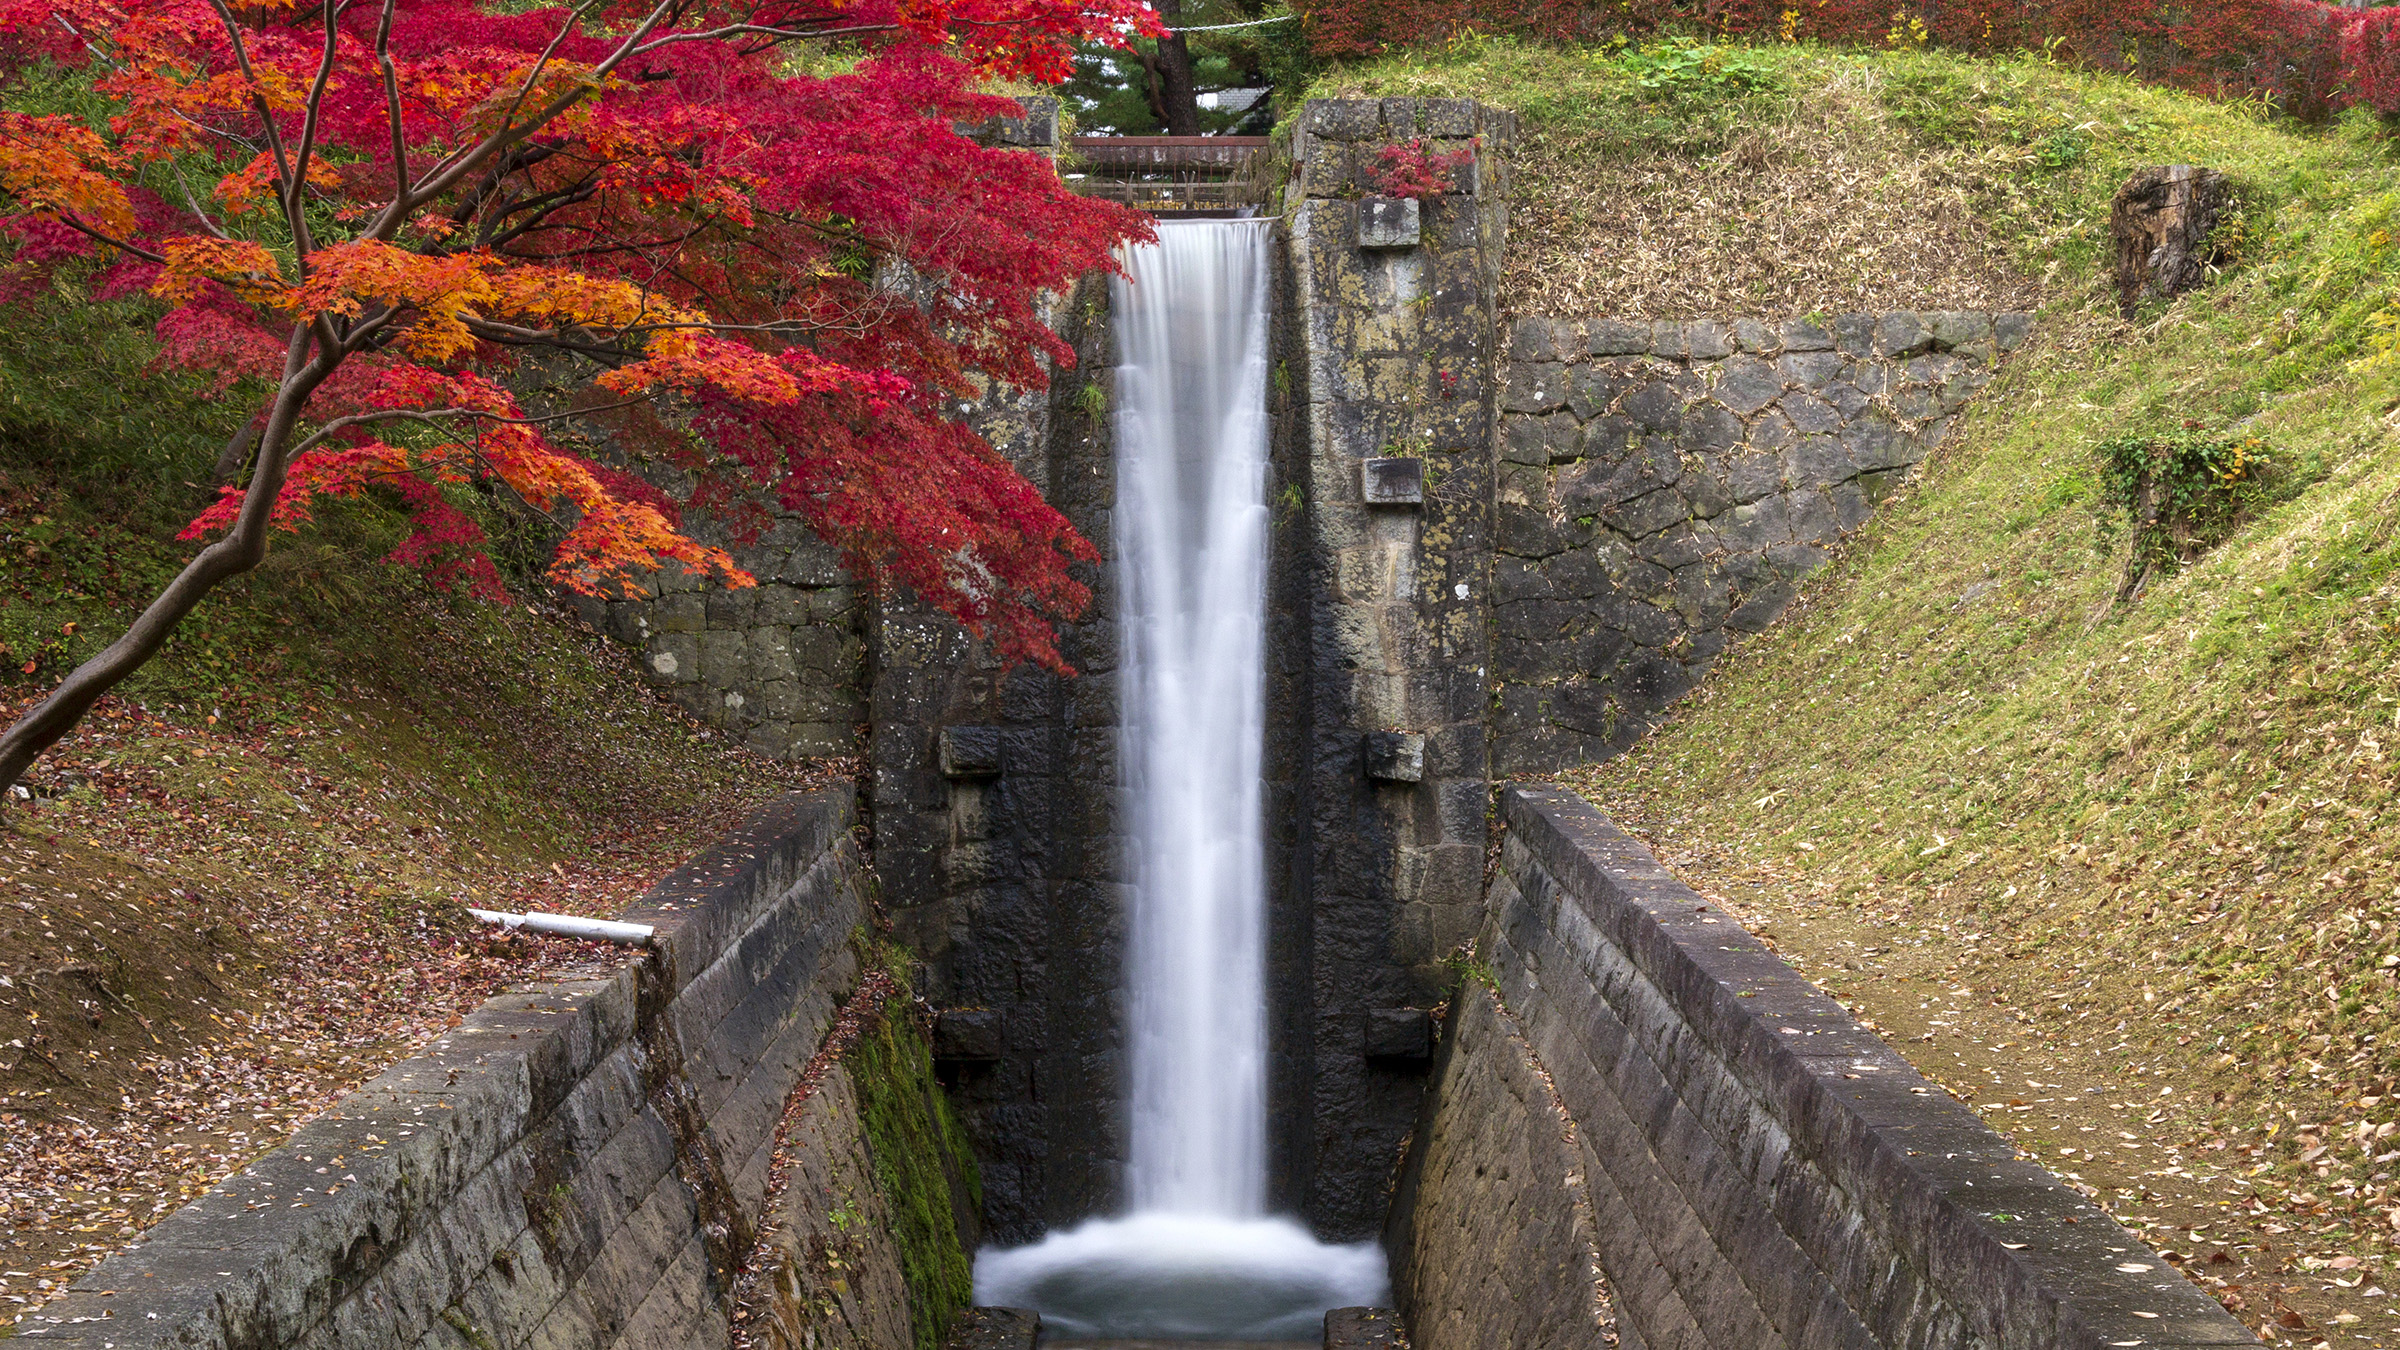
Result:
{"points": [[1680, 68], [2063, 148], [2182, 492], [1410, 169]]}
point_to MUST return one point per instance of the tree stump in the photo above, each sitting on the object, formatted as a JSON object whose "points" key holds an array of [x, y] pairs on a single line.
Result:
{"points": [[2162, 219]]}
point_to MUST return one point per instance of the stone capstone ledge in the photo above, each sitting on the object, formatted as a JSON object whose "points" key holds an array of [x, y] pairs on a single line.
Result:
{"points": [[1664, 485], [575, 1165], [1768, 1172]]}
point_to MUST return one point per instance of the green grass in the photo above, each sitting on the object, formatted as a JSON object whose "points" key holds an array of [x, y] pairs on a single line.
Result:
{"points": [[2033, 148]]}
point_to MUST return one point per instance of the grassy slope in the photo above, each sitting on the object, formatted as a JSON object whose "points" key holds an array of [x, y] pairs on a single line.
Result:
{"points": [[2163, 831], [239, 889]]}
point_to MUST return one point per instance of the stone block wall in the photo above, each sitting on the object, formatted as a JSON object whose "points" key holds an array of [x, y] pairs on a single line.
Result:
{"points": [[1664, 485], [1384, 460], [1767, 1172], [996, 819], [579, 1164], [781, 666], [1495, 1205]]}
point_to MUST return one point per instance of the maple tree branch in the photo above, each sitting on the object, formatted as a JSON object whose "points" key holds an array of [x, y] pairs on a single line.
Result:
{"points": [[392, 109], [68, 220], [546, 204], [766, 31], [266, 116], [533, 78], [241, 549], [235, 457], [444, 176], [297, 190], [192, 200], [494, 179], [512, 335]]}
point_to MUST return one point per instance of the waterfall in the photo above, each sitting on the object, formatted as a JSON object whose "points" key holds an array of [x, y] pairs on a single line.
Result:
{"points": [[1191, 540], [1197, 1255]]}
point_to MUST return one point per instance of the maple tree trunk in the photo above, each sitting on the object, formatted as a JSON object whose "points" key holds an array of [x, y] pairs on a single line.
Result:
{"points": [[1179, 99], [237, 552], [235, 457]]}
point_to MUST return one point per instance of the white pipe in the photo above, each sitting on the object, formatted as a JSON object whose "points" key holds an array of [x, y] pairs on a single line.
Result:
{"points": [[567, 925]]}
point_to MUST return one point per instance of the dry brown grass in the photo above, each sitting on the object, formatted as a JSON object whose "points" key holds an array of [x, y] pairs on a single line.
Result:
{"points": [[1830, 207]]}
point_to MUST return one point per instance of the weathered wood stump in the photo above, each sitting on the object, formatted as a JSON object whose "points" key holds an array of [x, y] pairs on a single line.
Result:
{"points": [[2163, 218]]}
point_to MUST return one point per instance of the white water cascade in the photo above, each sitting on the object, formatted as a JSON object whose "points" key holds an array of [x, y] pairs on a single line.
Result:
{"points": [[1197, 1256]]}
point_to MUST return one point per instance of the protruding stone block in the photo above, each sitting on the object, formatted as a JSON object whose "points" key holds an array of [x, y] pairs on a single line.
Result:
{"points": [[1618, 337], [1389, 222], [969, 1035], [1344, 119], [1393, 482], [970, 752], [1448, 117], [1400, 1034], [674, 658], [1902, 333], [1395, 756]]}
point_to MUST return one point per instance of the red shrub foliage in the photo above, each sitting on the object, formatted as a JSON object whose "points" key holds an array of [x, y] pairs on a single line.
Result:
{"points": [[1411, 170], [2307, 57], [2370, 57]]}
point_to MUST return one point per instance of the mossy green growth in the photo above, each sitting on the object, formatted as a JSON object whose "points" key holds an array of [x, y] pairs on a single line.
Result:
{"points": [[923, 1163]]}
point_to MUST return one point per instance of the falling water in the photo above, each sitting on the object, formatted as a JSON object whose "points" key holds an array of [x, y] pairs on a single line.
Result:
{"points": [[1197, 1256], [1191, 538]]}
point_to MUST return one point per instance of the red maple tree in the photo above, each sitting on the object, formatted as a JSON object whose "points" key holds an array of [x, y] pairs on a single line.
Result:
{"points": [[372, 207]]}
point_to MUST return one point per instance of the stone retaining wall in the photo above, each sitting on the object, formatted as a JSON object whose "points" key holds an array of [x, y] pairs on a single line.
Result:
{"points": [[1387, 380], [575, 1166], [1663, 486], [1768, 1173], [781, 666]]}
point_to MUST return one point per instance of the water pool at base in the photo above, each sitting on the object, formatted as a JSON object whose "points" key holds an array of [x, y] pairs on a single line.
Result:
{"points": [[1184, 1277]]}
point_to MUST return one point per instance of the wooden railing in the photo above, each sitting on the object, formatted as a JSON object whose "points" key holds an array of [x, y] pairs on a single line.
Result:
{"points": [[1170, 175], [1120, 156]]}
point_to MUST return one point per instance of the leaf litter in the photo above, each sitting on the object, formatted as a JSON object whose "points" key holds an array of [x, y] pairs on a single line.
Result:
{"points": [[214, 922]]}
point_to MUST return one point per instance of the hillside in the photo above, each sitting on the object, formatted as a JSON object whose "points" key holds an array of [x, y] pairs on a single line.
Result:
{"points": [[236, 891], [2121, 873]]}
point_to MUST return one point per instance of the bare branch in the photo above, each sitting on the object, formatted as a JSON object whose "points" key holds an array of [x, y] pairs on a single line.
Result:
{"points": [[762, 30], [112, 241], [533, 78]]}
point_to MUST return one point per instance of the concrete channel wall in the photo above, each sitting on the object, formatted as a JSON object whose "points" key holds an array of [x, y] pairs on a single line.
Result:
{"points": [[1642, 1091], [577, 1165]]}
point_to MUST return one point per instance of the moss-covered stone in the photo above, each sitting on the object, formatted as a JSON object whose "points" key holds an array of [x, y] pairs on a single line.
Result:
{"points": [[923, 1165]]}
